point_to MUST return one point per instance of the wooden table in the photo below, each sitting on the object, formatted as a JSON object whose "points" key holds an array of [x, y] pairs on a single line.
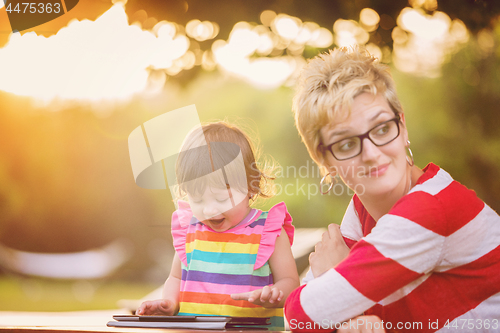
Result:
{"points": [[74, 322]]}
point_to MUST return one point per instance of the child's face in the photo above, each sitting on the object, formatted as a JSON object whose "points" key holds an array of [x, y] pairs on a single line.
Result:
{"points": [[215, 208]]}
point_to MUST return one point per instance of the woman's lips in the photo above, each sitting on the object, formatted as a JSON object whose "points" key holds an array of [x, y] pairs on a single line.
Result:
{"points": [[377, 171]]}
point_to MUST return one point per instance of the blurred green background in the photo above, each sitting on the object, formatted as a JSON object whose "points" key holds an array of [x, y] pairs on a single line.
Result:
{"points": [[66, 183]]}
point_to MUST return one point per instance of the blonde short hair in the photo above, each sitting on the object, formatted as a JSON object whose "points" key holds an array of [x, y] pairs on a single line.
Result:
{"points": [[213, 145], [327, 87]]}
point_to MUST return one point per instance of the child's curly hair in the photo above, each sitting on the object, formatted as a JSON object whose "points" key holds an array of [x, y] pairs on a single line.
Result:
{"points": [[215, 146]]}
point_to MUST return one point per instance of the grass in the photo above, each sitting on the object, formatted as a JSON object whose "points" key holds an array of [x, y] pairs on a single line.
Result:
{"points": [[33, 294]]}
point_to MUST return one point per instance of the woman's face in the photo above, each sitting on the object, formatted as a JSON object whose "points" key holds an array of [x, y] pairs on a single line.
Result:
{"points": [[377, 170]]}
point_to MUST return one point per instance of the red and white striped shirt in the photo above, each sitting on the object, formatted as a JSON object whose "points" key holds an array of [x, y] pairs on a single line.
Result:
{"points": [[433, 260]]}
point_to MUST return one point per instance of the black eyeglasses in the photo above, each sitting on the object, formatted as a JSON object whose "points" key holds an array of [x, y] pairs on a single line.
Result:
{"points": [[350, 147]]}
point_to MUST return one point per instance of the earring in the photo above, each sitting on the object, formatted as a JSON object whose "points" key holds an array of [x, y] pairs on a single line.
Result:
{"points": [[254, 196], [409, 158], [322, 182]]}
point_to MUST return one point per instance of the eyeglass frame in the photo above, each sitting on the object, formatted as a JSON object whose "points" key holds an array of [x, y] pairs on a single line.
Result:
{"points": [[361, 137]]}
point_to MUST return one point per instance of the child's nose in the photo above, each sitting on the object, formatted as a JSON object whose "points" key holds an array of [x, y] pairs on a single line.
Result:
{"points": [[210, 211]]}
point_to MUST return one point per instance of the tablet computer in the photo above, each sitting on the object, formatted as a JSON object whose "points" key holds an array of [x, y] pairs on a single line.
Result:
{"points": [[200, 322]]}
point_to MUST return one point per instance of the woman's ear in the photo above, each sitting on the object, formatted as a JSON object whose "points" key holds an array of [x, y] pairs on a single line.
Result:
{"points": [[404, 130], [323, 162], [326, 168], [320, 153], [333, 171], [402, 117]]}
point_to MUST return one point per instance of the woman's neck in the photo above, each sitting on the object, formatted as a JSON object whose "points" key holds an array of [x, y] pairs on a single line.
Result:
{"points": [[379, 205]]}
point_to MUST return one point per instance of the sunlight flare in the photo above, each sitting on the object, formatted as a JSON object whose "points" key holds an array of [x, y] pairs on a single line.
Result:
{"points": [[105, 59]]}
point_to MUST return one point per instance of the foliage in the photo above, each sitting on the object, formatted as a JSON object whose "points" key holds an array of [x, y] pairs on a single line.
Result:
{"points": [[31, 294]]}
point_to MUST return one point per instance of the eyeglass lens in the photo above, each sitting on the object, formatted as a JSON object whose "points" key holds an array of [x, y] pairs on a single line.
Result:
{"points": [[379, 136]]}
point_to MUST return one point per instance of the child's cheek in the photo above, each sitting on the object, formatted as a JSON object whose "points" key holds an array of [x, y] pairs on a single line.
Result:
{"points": [[239, 197], [197, 211]]}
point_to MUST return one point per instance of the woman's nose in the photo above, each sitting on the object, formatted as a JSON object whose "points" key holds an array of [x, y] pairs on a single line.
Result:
{"points": [[370, 151]]}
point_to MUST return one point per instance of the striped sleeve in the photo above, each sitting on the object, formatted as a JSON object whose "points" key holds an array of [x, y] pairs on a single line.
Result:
{"points": [[351, 226]]}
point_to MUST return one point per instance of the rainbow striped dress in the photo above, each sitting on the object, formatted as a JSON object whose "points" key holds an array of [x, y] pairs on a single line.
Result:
{"points": [[218, 264]]}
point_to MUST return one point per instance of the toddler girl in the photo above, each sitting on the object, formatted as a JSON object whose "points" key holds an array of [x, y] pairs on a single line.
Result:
{"points": [[231, 259]]}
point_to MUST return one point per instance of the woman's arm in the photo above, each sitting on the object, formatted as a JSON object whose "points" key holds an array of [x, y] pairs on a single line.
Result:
{"points": [[285, 277], [169, 305]]}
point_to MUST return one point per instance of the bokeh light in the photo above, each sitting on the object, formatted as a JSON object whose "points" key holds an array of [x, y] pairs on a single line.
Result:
{"points": [[268, 55], [202, 31], [267, 17], [375, 51], [349, 33], [369, 19], [423, 41], [286, 26], [321, 38], [266, 40], [486, 41], [429, 5]]}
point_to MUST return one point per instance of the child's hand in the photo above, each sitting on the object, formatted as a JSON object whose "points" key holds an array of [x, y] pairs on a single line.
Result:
{"points": [[160, 307], [266, 297]]}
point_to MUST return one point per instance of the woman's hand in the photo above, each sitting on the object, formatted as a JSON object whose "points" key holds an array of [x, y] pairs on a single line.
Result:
{"points": [[329, 252], [268, 296], [364, 324], [159, 307]]}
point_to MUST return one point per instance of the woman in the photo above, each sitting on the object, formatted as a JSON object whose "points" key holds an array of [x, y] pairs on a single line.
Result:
{"points": [[415, 248]]}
